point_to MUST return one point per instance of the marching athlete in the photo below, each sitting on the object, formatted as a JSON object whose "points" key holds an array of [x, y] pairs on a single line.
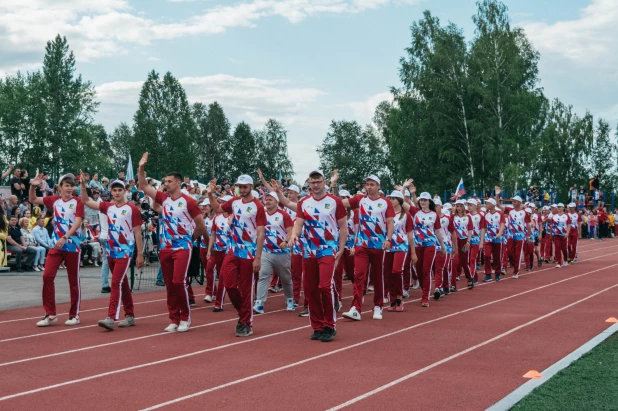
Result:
{"points": [[575, 233], [561, 224], [492, 228], [462, 223], [217, 248]]}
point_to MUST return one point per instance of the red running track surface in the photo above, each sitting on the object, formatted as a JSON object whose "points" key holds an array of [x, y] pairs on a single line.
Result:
{"points": [[466, 351]]}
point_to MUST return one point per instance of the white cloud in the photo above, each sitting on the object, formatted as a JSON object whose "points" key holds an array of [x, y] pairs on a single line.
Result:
{"points": [[364, 110], [153, 58]]}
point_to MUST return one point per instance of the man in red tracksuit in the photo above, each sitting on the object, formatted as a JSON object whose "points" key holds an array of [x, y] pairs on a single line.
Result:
{"points": [[243, 258], [492, 228], [518, 222], [475, 235], [575, 233], [561, 226]]}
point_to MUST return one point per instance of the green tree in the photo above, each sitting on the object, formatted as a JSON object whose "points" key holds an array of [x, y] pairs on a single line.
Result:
{"points": [[120, 142], [13, 101], [243, 150], [213, 141], [272, 149]]}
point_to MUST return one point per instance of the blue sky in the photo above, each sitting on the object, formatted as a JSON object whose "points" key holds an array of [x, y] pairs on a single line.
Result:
{"points": [[304, 62]]}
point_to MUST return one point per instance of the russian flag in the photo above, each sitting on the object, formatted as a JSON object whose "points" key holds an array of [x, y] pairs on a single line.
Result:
{"points": [[460, 190]]}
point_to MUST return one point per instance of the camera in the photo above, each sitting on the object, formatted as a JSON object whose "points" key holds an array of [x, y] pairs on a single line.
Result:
{"points": [[147, 213]]}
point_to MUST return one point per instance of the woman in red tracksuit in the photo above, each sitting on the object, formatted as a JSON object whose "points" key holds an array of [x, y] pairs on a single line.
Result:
{"points": [[217, 247], [209, 216], [463, 226], [347, 260], [444, 262]]}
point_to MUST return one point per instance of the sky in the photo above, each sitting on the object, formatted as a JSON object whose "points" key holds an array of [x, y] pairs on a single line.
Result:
{"points": [[302, 62]]}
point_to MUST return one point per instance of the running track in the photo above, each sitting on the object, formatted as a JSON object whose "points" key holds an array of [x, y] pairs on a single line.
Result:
{"points": [[466, 351]]}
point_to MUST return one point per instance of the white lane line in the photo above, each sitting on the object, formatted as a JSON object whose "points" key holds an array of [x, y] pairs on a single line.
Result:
{"points": [[188, 355], [470, 349], [38, 317]]}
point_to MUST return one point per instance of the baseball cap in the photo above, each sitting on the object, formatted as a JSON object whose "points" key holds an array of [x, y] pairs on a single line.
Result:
{"points": [[560, 205], [206, 202], [407, 193], [447, 206], [373, 177], [244, 179], [65, 177], [344, 193], [491, 201], [294, 188], [472, 201], [462, 202], [517, 198], [226, 197], [437, 201], [274, 195], [572, 205], [253, 192], [396, 194], [425, 195], [532, 206], [554, 205], [317, 171], [483, 209], [117, 183], [545, 208], [528, 210]]}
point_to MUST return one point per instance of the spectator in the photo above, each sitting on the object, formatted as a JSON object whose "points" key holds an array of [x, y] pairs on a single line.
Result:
{"points": [[186, 184], [89, 213], [615, 222], [4, 232], [13, 208], [611, 225], [573, 194], [554, 196], [31, 243], [90, 244], [95, 184], [7, 172], [41, 235], [17, 245], [31, 220], [602, 223], [105, 188], [546, 198], [17, 186], [592, 224], [25, 205]]}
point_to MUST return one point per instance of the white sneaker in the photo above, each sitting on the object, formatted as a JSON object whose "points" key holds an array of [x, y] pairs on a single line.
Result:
{"points": [[289, 304], [338, 306], [370, 288], [416, 285], [172, 328], [208, 298], [184, 326], [515, 276], [353, 314], [72, 321], [386, 300], [36, 268], [558, 266], [565, 264], [377, 313], [96, 263], [258, 308], [47, 321]]}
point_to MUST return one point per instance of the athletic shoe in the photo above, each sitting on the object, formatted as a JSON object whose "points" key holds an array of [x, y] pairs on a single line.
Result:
{"points": [[239, 326], [558, 266], [338, 306], [129, 321], [392, 306], [172, 328], [416, 285], [72, 321], [106, 290], [454, 289], [279, 288], [245, 330], [35, 268], [217, 309], [346, 277], [425, 303], [503, 271], [191, 302], [572, 262], [406, 294], [353, 314], [437, 294], [470, 285], [377, 313], [160, 283], [398, 306], [527, 268], [96, 263], [487, 278], [290, 304], [475, 281], [208, 298], [304, 312], [296, 304], [272, 289], [497, 277], [184, 326], [515, 276], [107, 323], [540, 263], [565, 264], [317, 335], [47, 321], [258, 308], [457, 278], [370, 288], [328, 334], [386, 300], [447, 291]]}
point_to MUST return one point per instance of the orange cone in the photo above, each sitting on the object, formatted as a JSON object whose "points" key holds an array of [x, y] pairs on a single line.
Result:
{"points": [[532, 374], [612, 320]]}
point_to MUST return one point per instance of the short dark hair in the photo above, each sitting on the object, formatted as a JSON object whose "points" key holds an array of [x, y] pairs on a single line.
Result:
{"points": [[176, 175], [316, 175]]}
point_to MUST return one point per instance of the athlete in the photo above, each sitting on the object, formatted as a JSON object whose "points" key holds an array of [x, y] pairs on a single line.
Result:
{"points": [[204, 242], [183, 223], [462, 223], [475, 236], [518, 222], [492, 228], [561, 225], [443, 263], [575, 233], [375, 231], [323, 219], [347, 260], [217, 248], [243, 258], [125, 235]]}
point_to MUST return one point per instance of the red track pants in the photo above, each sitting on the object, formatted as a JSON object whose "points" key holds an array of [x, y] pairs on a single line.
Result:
{"points": [[474, 256], [442, 276], [547, 247], [394, 264], [121, 291], [573, 239], [345, 262], [211, 288], [426, 257], [529, 253], [320, 291], [560, 248], [238, 279], [53, 261], [515, 249], [493, 256], [216, 261], [464, 257], [363, 259], [174, 265], [296, 269]]}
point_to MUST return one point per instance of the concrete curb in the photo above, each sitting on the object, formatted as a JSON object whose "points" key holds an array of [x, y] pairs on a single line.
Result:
{"points": [[513, 398]]}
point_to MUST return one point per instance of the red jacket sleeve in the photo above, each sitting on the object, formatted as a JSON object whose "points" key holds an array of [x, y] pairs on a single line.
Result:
{"points": [[79, 209], [340, 212], [192, 208], [260, 216], [355, 217], [470, 223], [390, 211], [49, 201], [287, 220], [413, 210], [409, 223], [437, 224], [355, 201], [136, 218], [527, 219], [103, 206], [160, 197], [227, 206], [483, 223]]}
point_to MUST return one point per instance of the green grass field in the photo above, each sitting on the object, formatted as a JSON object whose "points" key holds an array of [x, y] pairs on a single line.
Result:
{"points": [[588, 384]]}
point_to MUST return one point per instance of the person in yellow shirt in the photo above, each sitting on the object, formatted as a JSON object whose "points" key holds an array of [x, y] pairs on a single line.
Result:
{"points": [[4, 230], [546, 198]]}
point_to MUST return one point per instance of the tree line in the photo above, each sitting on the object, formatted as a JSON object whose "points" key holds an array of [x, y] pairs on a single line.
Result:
{"points": [[473, 109], [47, 121]]}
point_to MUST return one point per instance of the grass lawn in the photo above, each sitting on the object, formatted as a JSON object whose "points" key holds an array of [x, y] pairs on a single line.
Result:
{"points": [[590, 383]]}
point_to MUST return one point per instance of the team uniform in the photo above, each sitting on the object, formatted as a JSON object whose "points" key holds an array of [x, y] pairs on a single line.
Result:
{"points": [[576, 220], [368, 251], [475, 241], [176, 245], [444, 263], [560, 231], [426, 226], [546, 240], [463, 228], [237, 267], [221, 228], [492, 242], [321, 232], [347, 261], [65, 213], [119, 251], [204, 239], [516, 222], [531, 241], [395, 257]]}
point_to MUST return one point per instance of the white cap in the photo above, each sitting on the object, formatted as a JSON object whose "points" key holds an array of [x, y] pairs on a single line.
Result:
{"points": [[491, 201], [206, 202], [528, 210], [483, 209], [532, 206], [447, 206], [458, 202], [517, 198], [396, 194], [185, 192], [472, 201], [560, 205], [317, 171], [115, 183], [425, 195], [437, 201], [572, 205], [274, 195], [407, 193], [381, 192], [253, 192], [344, 193], [554, 205], [373, 177], [244, 179], [545, 208], [226, 197], [294, 188], [193, 182], [64, 177]]}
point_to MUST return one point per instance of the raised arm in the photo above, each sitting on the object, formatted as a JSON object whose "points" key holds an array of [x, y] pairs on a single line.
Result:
{"points": [[35, 182], [7, 172], [212, 188], [264, 181], [283, 199], [334, 178], [84, 193], [141, 177]]}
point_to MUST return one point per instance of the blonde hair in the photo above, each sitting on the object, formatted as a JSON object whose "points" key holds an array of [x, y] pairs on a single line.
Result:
{"points": [[24, 220]]}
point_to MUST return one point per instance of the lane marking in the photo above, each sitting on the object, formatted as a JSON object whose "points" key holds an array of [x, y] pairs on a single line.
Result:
{"points": [[188, 355]]}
